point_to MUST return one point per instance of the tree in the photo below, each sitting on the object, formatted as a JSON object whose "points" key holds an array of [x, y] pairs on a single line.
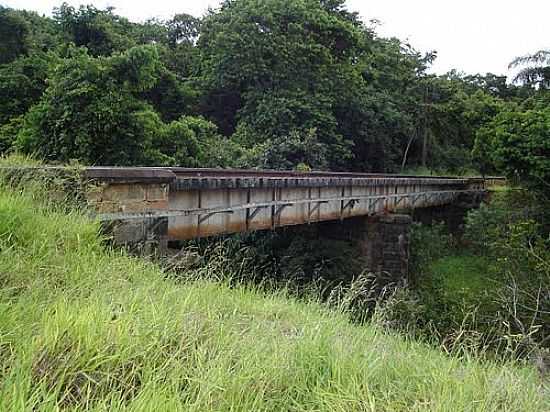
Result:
{"points": [[288, 83], [534, 69], [90, 114], [386, 116], [93, 111], [22, 83], [183, 29], [100, 31], [14, 35], [191, 142], [272, 68], [518, 142], [457, 112], [495, 85]]}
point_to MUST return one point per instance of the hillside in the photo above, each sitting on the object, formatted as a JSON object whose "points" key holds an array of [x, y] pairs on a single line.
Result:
{"points": [[85, 328]]}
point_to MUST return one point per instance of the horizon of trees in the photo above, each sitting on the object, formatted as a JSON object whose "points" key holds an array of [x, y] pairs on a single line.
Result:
{"points": [[301, 84]]}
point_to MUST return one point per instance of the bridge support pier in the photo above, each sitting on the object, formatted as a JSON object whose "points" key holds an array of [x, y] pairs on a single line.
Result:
{"points": [[383, 241], [385, 245]]}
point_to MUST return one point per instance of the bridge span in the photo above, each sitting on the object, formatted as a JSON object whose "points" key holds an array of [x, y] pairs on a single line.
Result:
{"points": [[143, 209], [204, 202], [194, 203]]}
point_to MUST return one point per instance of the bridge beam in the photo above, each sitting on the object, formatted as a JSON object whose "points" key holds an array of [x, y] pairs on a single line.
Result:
{"points": [[201, 203]]}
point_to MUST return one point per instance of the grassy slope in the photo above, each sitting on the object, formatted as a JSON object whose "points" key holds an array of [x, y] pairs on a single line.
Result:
{"points": [[85, 328]]}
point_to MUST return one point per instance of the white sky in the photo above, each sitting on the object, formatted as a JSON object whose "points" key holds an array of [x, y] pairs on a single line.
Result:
{"points": [[474, 36]]}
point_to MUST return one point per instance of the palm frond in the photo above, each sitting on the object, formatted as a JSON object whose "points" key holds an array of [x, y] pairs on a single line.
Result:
{"points": [[540, 57]]}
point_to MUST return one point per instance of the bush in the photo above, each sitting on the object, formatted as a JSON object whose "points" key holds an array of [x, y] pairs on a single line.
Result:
{"points": [[518, 143], [493, 292], [513, 232], [428, 243], [285, 152]]}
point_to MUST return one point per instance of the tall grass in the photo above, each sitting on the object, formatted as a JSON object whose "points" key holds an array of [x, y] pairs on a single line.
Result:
{"points": [[85, 328]]}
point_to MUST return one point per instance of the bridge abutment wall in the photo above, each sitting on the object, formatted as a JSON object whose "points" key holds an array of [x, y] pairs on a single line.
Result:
{"points": [[130, 193]]}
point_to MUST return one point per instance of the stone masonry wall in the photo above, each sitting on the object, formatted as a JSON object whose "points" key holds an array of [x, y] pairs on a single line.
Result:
{"points": [[143, 236], [385, 244], [128, 197], [383, 241]]}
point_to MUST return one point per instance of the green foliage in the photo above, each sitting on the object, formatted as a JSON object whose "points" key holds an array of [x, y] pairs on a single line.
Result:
{"points": [[22, 84], [8, 133], [138, 68], [451, 291], [189, 142], [388, 117], [490, 295], [465, 302], [300, 259], [428, 244], [455, 110], [91, 111], [169, 97], [492, 291], [183, 29], [274, 64], [14, 32], [287, 152], [458, 292], [513, 231], [518, 142], [100, 31]]}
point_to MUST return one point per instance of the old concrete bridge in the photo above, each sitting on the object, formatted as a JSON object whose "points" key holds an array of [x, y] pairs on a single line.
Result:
{"points": [[152, 206]]}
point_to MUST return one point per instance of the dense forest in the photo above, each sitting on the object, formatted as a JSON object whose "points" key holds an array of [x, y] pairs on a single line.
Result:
{"points": [[273, 84]]}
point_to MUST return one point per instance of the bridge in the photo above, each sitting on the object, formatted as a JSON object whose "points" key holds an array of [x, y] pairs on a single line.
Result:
{"points": [[159, 205]]}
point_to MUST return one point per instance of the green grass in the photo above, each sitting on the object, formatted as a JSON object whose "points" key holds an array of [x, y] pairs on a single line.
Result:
{"points": [[465, 276], [458, 291], [84, 328]]}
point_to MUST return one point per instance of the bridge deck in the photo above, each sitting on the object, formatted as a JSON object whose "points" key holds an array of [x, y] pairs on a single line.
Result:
{"points": [[205, 202]]}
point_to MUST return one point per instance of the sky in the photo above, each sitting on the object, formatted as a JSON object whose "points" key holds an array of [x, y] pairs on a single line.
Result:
{"points": [[472, 36]]}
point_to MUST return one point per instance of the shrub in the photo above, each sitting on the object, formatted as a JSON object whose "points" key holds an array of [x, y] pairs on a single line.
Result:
{"points": [[513, 232], [518, 142]]}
